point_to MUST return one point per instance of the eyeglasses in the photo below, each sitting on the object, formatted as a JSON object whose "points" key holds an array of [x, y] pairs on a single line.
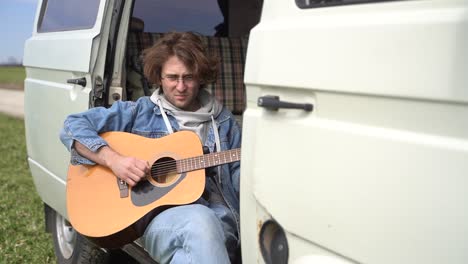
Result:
{"points": [[174, 79]]}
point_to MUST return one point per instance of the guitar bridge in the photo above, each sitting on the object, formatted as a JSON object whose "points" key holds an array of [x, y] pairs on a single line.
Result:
{"points": [[123, 188]]}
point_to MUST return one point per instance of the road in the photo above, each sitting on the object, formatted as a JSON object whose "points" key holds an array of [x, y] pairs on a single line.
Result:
{"points": [[12, 102]]}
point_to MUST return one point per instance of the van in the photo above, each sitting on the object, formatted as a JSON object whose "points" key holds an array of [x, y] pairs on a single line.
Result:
{"points": [[355, 144]]}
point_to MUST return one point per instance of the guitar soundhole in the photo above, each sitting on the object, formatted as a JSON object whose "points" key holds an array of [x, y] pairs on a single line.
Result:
{"points": [[164, 170]]}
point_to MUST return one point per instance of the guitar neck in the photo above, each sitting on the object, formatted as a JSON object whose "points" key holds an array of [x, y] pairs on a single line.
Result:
{"points": [[208, 160]]}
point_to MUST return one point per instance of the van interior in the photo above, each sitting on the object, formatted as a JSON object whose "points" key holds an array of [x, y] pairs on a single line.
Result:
{"points": [[223, 25]]}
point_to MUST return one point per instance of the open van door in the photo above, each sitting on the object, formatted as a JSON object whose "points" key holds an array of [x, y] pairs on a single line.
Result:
{"points": [[64, 62], [376, 171]]}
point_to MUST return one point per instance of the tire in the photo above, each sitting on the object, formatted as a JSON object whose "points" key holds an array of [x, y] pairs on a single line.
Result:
{"points": [[70, 247]]}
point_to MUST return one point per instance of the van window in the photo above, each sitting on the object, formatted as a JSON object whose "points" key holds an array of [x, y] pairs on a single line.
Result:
{"points": [[202, 16], [62, 15], [315, 3]]}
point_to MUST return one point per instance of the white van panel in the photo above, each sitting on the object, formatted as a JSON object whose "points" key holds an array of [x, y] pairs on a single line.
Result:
{"points": [[377, 172], [370, 193], [49, 186], [63, 51], [43, 144], [405, 48]]}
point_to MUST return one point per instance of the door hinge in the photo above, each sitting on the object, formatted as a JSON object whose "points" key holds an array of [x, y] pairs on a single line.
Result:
{"points": [[98, 91]]}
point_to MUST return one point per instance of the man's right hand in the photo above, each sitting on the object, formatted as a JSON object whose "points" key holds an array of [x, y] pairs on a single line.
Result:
{"points": [[129, 169]]}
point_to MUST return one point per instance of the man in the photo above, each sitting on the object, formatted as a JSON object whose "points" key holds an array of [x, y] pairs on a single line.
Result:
{"points": [[207, 230]]}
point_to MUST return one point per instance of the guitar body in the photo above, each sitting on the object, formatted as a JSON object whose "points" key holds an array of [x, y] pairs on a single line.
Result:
{"points": [[94, 203]]}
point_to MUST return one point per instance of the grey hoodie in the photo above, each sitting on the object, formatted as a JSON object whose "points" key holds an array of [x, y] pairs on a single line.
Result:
{"points": [[197, 121]]}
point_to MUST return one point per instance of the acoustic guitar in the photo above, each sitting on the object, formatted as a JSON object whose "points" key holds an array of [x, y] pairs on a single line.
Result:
{"points": [[107, 210]]}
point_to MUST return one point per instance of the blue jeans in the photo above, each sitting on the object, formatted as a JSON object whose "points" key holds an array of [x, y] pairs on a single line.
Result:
{"points": [[186, 234]]}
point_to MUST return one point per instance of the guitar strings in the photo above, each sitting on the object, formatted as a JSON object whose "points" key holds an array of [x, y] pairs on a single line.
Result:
{"points": [[165, 167], [207, 155], [171, 162], [173, 165]]}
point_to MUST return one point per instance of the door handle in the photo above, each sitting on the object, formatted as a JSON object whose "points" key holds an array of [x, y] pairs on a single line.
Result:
{"points": [[272, 102], [80, 81]]}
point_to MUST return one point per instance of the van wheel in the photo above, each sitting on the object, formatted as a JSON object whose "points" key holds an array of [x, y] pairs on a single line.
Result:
{"points": [[71, 247]]}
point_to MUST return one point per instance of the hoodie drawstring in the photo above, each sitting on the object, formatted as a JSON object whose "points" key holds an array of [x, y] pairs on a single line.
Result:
{"points": [[218, 143], [166, 120]]}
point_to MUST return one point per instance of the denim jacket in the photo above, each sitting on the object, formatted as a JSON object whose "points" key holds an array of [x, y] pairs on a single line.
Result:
{"points": [[144, 118]]}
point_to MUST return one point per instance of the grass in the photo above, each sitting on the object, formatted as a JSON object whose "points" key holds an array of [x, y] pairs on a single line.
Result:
{"points": [[22, 233], [12, 77]]}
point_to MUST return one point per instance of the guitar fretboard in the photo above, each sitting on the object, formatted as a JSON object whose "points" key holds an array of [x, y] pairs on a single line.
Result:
{"points": [[208, 160]]}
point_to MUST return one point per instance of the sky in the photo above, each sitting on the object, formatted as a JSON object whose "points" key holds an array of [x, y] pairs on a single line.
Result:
{"points": [[16, 26]]}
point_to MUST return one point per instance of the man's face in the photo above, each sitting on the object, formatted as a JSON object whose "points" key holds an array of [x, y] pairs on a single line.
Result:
{"points": [[179, 86]]}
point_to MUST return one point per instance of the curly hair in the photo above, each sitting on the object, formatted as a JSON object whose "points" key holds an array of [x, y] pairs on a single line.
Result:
{"points": [[187, 47]]}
